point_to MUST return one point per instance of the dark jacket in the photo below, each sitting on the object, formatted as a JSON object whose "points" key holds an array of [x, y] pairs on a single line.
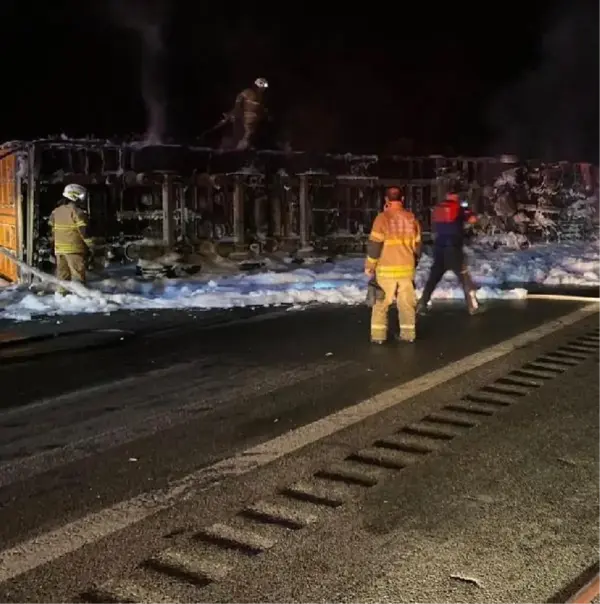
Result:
{"points": [[248, 106]]}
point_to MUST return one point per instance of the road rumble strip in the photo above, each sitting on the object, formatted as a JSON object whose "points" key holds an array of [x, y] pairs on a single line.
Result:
{"points": [[49, 546]]}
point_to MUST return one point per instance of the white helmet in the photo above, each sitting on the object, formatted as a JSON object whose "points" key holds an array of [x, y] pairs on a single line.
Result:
{"points": [[261, 83], [75, 192]]}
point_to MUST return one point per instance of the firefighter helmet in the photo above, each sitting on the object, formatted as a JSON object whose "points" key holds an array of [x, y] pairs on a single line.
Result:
{"points": [[261, 83], [75, 192]]}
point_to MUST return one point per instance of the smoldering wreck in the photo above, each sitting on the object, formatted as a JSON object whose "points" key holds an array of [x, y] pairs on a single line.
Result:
{"points": [[146, 201]]}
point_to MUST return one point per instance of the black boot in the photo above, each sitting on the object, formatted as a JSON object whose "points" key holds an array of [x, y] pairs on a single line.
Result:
{"points": [[421, 308]]}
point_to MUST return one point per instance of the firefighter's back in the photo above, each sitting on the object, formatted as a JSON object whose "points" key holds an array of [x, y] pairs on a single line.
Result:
{"points": [[401, 238], [67, 220]]}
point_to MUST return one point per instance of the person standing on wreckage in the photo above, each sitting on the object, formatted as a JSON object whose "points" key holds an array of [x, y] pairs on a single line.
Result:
{"points": [[69, 223], [448, 221], [247, 114], [393, 251]]}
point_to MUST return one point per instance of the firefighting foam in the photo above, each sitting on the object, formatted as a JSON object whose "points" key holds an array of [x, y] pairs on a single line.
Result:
{"points": [[342, 282]]}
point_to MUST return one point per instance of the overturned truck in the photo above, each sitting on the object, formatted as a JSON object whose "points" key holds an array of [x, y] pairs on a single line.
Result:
{"points": [[148, 200]]}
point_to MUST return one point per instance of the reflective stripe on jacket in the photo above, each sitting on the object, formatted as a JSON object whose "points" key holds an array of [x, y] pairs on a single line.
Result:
{"points": [[394, 242], [69, 225]]}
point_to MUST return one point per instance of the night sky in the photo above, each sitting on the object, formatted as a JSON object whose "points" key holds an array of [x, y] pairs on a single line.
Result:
{"points": [[466, 78]]}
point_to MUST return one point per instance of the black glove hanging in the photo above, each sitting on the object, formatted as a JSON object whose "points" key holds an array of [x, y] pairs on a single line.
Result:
{"points": [[374, 292]]}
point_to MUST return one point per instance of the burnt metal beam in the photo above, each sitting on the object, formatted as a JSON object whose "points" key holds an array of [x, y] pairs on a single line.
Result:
{"points": [[168, 208], [238, 215], [304, 212], [32, 205]]}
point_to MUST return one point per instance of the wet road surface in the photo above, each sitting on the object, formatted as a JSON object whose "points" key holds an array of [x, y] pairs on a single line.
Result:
{"points": [[112, 415]]}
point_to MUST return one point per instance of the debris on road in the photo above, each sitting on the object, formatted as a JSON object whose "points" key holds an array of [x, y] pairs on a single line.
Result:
{"points": [[467, 579]]}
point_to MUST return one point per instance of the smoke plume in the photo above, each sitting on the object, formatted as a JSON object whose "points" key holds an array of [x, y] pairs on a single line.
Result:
{"points": [[147, 20], [551, 112]]}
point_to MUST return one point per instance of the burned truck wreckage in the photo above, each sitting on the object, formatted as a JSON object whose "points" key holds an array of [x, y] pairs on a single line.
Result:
{"points": [[201, 204]]}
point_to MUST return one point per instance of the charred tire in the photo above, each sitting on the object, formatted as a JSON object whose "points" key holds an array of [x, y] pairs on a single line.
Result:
{"points": [[132, 251]]}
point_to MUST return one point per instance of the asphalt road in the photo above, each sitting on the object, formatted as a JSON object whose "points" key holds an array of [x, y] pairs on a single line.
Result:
{"points": [[92, 418], [506, 512]]}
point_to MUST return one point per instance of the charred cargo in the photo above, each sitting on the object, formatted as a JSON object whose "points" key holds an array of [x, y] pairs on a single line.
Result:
{"points": [[178, 197]]}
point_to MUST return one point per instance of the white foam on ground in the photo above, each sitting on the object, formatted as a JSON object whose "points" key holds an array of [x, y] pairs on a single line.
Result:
{"points": [[342, 282]]}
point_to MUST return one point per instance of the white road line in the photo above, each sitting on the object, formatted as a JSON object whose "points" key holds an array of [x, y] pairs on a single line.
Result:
{"points": [[70, 537]]}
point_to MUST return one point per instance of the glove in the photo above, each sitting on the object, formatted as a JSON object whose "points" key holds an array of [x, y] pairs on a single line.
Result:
{"points": [[374, 293]]}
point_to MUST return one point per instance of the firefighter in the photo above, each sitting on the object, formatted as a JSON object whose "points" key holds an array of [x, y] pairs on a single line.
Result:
{"points": [[247, 114], [69, 224], [393, 250], [448, 221]]}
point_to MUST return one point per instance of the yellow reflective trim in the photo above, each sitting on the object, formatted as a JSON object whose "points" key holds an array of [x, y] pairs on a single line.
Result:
{"points": [[80, 223], [372, 260], [392, 269], [401, 241], [396, 274], [403, 326], [69, 249], [376, 236], [378, 326]]}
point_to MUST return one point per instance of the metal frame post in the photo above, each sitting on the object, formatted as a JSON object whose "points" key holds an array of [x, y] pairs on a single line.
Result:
{"points": [[31, 214], [168, 207], [304, 226], [19, 203], [238, 214]]}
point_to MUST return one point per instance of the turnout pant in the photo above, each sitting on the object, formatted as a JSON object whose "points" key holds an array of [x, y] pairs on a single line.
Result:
{"points": [[244, 133], [70, 267], [403, 291], [448, 259]]}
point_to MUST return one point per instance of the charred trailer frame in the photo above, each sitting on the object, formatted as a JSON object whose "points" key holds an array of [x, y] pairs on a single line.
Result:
{"points": [[233, 202]]}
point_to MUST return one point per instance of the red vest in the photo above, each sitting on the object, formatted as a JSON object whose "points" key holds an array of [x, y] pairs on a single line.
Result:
{"points": [[446, 212]]}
